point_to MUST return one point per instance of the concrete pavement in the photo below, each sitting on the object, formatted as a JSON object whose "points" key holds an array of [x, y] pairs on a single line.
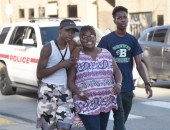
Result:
{"points": [[10, 123]]}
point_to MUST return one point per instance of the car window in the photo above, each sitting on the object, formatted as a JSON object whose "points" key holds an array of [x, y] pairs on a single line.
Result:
{"points": [[150, 36], [47, 34], [143, 38], [77, 33], [30, 34], [4, 34], [159, 35], [18, 36], [168, 41]]}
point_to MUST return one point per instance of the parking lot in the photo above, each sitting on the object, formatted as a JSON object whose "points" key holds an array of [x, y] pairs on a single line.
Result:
{"points": [[146, 114]]}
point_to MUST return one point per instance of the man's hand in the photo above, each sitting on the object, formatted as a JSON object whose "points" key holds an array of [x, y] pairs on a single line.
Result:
{"points": [[116, 89], [148, 91], [68, 63], [75, 53]]}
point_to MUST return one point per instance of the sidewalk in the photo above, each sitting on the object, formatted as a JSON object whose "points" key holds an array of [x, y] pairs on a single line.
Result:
{"points": [[9, 123]]}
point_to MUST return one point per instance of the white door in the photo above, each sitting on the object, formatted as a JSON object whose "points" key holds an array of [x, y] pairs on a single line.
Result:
{"points": [[24, 59]]}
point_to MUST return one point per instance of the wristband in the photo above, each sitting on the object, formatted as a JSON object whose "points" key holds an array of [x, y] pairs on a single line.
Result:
{"points": [[147, 83], [119, 84], [81, 94]]}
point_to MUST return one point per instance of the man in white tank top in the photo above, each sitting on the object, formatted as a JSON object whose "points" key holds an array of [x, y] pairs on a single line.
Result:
{"points": [[55, 104]]}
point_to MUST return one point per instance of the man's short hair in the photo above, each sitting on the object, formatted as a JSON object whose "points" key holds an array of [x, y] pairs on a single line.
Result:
{"points": [[117, 9]]}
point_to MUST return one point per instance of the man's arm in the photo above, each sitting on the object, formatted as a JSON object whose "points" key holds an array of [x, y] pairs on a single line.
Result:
{"points": [[75, 49], [72, 45], [143, 75], [42, 71]]}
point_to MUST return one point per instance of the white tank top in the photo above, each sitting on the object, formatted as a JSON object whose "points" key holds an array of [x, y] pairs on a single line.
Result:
{"points": [[60, 76]]}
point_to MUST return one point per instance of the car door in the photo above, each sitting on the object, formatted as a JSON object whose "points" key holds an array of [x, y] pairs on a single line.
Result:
{"points": [[31, 53], [24, 59], [166, 58], [153, 52], [14, 49]]}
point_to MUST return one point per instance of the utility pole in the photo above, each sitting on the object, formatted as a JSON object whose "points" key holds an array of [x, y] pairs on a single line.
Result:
{"points": [[9, 10], [97, 7], [11, 15]]}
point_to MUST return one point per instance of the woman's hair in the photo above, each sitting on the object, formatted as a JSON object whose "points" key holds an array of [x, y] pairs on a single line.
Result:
{"points": [[86, 28], [117, 9]]}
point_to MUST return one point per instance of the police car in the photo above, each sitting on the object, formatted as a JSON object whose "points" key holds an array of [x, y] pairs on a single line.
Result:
{"points": [[20, 45]]}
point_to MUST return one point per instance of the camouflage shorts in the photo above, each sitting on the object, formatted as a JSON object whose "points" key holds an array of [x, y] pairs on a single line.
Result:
{"points": [[55, 107]]}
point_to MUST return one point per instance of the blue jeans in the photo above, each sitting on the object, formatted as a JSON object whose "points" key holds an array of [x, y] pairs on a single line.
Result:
{"points": [[95, 122]]}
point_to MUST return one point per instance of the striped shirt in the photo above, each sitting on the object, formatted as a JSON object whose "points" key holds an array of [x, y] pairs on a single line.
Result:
{"points": [[96, 80]]}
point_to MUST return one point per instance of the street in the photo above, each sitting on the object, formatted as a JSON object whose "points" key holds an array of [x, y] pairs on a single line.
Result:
{"points": [[19, 111]]}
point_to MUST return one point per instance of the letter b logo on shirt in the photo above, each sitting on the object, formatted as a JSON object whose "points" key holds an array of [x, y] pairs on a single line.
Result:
{"points": [[122, 53]]}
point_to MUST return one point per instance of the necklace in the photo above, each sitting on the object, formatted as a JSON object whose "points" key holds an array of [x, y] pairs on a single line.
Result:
{"points": [[62, 56]]}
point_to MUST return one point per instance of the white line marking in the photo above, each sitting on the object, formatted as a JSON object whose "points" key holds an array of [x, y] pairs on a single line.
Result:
{"points": [[129, 117], [158, 104], [135, 117]]}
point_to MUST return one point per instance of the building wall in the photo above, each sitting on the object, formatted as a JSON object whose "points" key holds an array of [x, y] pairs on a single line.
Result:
{"points": [[159, 8], [168, 12], [142, 7], [156, 7], [22, 4], [87, 10], [105, 16]]}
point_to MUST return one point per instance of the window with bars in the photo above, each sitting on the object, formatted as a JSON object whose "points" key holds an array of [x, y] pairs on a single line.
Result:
{"points": [[21, 13]]}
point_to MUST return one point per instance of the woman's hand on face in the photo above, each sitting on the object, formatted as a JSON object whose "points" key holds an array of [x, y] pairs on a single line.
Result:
{"points": [[116, 89]]}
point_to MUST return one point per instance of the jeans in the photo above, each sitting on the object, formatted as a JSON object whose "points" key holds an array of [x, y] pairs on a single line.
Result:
{"points": [[127, 103], [124, 101], [95, 122]]}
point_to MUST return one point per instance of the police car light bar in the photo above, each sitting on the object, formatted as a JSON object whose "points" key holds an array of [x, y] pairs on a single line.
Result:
{"points": [[54, 19]]}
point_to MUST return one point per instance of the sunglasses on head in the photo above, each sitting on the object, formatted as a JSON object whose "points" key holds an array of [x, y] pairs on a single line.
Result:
{"points": [[86, 37]]}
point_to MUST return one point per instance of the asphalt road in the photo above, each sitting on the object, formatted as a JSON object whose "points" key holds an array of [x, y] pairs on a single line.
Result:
{"points": [[19, 111]]}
